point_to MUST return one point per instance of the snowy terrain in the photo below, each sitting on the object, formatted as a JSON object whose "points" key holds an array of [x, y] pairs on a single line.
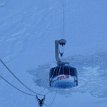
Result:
{"points": [[28, 29]]}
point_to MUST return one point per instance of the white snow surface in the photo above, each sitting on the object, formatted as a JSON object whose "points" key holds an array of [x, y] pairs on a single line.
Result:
{"points": [[28, 29]]}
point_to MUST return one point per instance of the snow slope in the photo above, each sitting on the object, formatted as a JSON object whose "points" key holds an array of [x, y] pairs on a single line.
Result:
{"points": [[28, 29]]}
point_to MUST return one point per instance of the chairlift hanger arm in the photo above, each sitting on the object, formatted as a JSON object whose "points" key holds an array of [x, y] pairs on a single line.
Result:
{"points": [[58, 43]]}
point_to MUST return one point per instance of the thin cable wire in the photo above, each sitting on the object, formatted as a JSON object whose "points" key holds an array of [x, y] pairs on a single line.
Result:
{"points": [[52, 100], [15, 86], [24, 91], [63, 18], [18, 78], [55, 92]]}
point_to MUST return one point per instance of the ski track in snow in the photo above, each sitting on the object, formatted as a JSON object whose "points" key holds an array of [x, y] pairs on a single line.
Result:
{"points": [[91, 74]]}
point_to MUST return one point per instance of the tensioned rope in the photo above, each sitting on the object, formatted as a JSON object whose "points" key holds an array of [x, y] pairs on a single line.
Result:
{"points": [[16, 87], [23, 84], [63, 18], [26, 92], [52, 100], [18, 78]]}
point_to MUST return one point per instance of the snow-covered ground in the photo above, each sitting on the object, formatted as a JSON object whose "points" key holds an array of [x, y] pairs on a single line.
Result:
{"points": [[28, 29]]}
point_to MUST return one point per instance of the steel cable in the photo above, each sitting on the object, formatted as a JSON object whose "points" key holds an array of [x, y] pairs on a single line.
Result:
{"points": [[18, 78], [15, 86]]}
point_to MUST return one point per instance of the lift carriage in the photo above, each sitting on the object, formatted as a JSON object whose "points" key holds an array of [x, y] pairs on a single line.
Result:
{"points": [[62, 75]]}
